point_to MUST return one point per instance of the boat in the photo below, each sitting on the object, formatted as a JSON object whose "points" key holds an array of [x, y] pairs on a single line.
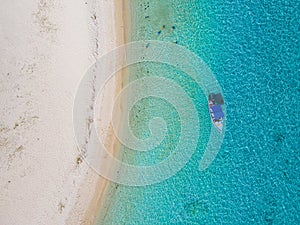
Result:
{"points": [[215, 102]]}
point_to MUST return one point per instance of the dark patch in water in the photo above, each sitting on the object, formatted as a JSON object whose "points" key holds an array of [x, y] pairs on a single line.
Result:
{"points": [[279, 137]]}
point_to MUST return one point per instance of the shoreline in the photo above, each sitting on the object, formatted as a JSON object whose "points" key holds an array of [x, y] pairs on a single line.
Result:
{"points": [[97, 199], [122, 31], [121, 26]]}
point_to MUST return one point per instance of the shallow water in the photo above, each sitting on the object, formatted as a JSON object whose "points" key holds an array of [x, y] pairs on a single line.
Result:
{"points": [[253, 50]]}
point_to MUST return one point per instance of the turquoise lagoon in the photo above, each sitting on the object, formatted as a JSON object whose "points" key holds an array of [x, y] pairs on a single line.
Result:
{"points": [[252, 47]]}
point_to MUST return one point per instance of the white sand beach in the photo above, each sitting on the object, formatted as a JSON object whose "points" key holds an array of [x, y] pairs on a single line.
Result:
{"points": [[46, 48]]}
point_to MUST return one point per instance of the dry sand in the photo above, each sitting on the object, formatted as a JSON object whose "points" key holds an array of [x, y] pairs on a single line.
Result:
{"points": [[46, 47]]}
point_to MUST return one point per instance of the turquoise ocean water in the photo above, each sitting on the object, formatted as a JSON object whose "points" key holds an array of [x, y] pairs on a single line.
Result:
{"points": [[252, 47]]}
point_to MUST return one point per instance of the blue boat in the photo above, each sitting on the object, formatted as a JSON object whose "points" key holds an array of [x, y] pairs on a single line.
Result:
{"points": [[215, 102]]}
